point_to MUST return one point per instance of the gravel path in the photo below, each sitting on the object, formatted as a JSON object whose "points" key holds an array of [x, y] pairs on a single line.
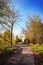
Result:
{"points": [[24, 56]]}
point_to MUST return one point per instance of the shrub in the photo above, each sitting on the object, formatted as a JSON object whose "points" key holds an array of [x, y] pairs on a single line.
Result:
{"points": [[26, 41], [33, 41]]}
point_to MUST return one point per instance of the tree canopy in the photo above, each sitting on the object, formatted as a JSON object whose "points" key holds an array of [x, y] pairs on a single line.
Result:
{"points": [[34, 30]]}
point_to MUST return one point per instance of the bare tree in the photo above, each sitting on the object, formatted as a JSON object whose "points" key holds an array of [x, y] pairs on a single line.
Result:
{"points": [[7, 17]]}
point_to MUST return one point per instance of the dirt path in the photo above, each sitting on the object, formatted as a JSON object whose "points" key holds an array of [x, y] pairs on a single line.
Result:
{"points": [[23, 57]]}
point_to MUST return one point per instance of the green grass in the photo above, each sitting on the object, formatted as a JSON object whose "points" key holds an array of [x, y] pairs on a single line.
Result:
{"points": [[37, 47]]}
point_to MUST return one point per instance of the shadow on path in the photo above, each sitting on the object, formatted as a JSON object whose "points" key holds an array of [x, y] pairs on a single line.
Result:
{"points": [[24, 56]]}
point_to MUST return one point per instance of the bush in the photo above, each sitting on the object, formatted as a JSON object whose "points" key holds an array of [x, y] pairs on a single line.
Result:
{"points": [[26, 41], [33, 41]]}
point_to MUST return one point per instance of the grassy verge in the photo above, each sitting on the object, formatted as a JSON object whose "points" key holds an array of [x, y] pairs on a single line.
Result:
{"points": [[4, 53], [38, 53], [37, 48]]}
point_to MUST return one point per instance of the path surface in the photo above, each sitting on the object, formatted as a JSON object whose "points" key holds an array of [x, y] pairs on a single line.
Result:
{"points": [[23, 57]]}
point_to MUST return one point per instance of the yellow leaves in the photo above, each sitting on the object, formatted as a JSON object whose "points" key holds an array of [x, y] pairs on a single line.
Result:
{"points": [[7, 36], [34, 30]]}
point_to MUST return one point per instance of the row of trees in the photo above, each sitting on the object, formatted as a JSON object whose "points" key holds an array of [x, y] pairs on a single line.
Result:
{"points": [[34, 30], [18, 39]]}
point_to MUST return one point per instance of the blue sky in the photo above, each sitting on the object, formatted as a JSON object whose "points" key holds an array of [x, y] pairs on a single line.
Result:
{"points": [[27, 7]]}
